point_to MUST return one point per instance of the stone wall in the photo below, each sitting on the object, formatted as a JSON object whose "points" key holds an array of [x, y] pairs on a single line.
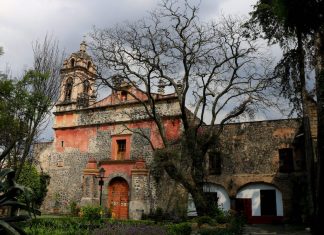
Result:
{"points": [[249, 154], [66, 167]]}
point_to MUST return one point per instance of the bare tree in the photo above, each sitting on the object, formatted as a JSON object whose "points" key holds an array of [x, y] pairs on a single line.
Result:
{"points": [[49, 59], [216, 72], [40, 88]]}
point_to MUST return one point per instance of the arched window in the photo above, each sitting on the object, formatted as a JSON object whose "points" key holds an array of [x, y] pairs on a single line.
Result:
{"points": [[89, 65], [68, 89], [72, 61], [123, 96], [86, 86]]}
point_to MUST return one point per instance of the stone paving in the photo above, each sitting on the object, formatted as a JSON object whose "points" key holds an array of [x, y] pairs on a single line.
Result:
{"points": [[265, 229]]}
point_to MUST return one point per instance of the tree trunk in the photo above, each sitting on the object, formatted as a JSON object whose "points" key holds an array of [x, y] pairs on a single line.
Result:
{"points": [[200, 201], [309, 153], [319, 47]]}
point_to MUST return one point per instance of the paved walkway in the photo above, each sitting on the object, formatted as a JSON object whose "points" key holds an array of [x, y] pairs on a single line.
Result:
{"points": [[267, 229]]}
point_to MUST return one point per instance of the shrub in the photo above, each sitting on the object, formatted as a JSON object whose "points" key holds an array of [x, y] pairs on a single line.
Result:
{"points": [[204, 220], [160, 216], [234, 227], [57, 226], [38, 182], [122, 228], [92, 213], [74, 208], [223, 217], [179, 229]]}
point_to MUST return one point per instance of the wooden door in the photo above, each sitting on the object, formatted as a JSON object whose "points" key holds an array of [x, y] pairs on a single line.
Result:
{"points": [[244, 207], [118, 198]]}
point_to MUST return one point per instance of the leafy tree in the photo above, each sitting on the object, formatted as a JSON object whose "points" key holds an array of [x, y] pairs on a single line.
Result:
{"points": [[212, 68], [23, 105], [12, 105], [298, 22], [26, 104], [37, 181], [288, 23]]}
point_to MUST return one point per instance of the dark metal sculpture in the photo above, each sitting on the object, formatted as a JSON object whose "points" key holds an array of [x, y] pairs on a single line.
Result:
{"points": [[9, 193]]}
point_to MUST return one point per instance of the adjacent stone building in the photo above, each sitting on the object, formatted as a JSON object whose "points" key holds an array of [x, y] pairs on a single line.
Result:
{"points": [[255, 170], [259, 169]]}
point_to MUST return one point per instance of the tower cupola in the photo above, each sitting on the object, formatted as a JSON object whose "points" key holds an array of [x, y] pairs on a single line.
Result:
{"points": [[78, 76]]}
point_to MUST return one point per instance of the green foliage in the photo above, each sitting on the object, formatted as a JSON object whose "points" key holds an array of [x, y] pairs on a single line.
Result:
{"points": [[76, 225], [161, 216], [283, 19], [292, 24], [91, 213], [24, 104], [179, 229], [57, 226], [57, 199], [234, 226], [74, 208], [204, 220], [38, 182]]}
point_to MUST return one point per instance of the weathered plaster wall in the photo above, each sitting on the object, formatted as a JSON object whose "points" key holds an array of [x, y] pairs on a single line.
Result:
{"points": [[78, 136]]}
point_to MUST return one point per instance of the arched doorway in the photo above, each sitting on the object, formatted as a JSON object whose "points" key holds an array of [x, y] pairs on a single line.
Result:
{"points": [[213, 191], [260, 203], [118, 198]]}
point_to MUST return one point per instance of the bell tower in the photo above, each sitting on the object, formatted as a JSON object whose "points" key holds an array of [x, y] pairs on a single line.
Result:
{"points": [[78, 76]]}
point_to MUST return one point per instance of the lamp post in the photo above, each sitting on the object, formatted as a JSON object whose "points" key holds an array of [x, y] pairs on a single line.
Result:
{"points": [[101, 181]]}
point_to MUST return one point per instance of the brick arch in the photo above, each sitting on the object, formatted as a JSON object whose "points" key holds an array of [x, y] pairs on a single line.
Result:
{"points": [[118, 174]]}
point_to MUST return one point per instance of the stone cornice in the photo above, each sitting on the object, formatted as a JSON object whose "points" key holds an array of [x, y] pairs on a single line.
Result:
{"points": [[115, 162], [127, 103], [115, 122]]}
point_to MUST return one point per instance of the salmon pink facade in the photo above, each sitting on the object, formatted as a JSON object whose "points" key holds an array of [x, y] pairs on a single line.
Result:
{"points": [[108, 134]]}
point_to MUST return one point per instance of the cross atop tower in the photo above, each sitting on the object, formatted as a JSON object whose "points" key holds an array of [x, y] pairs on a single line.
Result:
{"points": [[83, 46]]}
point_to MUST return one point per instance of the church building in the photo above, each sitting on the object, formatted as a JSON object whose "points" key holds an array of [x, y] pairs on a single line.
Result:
{"points": [[254, 170]]}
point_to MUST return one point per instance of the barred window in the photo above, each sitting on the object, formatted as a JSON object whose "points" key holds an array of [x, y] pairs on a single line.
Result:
{"points": [[121, 149], [286, 161]]}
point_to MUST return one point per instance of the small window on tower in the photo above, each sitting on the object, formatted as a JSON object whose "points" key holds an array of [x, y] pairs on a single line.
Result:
{"points": [[68, 89], [123, 96], [121, 149], [286, 161], [86, 86], [72, 61]]}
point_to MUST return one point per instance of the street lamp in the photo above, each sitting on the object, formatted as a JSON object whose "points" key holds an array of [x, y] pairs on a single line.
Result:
{"points": [[101, 181]]}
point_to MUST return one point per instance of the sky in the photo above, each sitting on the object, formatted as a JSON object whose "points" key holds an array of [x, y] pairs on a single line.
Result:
{"points": [[68, 21]]}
